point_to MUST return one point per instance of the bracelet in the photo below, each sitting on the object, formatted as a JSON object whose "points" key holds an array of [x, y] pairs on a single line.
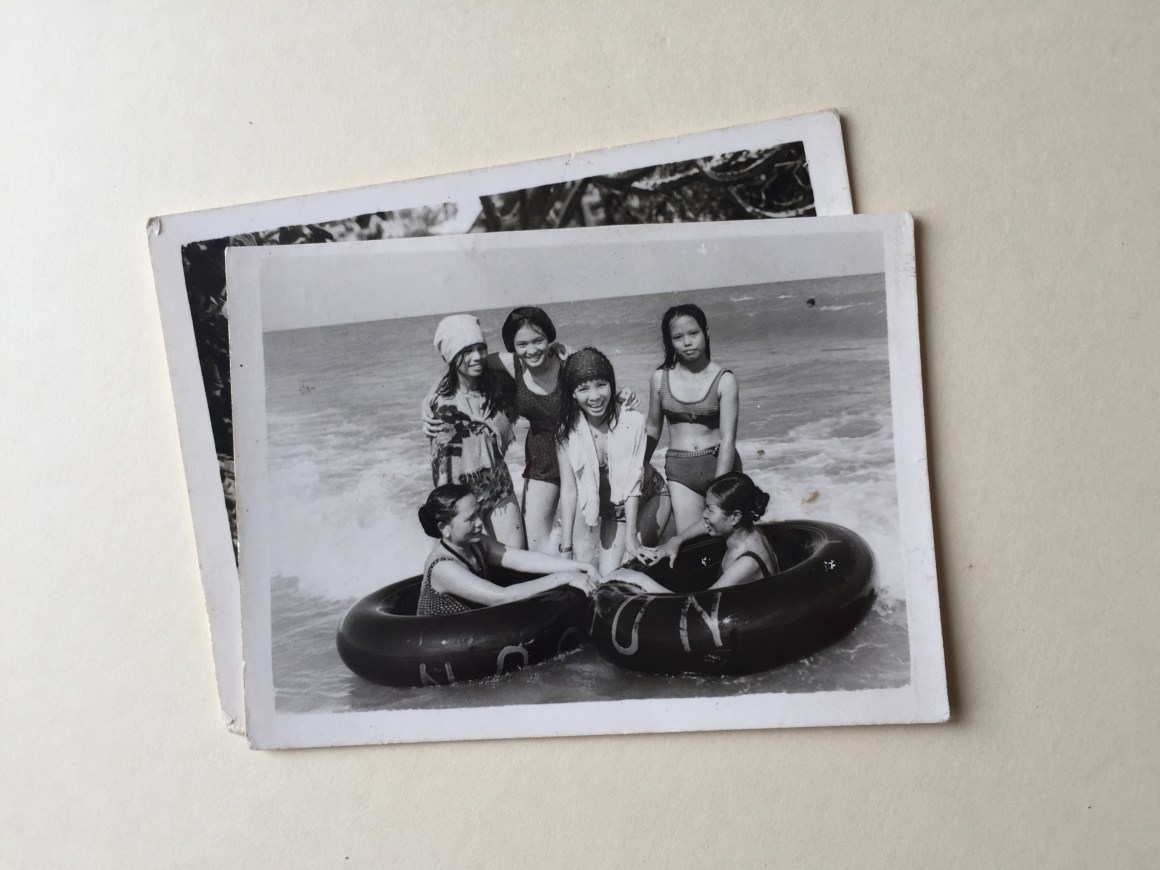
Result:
{"points": [[565, 549]]}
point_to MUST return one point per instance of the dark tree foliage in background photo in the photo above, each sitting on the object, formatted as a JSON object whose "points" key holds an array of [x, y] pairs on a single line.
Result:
{"points": [[728, 187]]}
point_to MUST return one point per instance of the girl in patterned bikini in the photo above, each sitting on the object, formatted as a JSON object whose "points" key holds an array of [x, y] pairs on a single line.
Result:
{"points": [[702, 431], [455, 576]]}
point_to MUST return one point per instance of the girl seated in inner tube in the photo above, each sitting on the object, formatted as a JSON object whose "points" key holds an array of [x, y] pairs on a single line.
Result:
{"points": [[600, 450], [733, 504], [455, 575]]}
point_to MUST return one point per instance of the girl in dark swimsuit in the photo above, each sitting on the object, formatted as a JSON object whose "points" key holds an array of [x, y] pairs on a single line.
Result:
{"points": [[534, 361], [733, 503], [455, 576], [698, 399]]}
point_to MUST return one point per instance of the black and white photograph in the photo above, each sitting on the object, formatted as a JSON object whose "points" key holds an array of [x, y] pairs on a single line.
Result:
{"points": [[629, 435], [778, 169], [643, 478]]}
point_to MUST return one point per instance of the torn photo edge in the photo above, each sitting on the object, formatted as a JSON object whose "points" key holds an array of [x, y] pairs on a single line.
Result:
{"points": [[820, 133]]}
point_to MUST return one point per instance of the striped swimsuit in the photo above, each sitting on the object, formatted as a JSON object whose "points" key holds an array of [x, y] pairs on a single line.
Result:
{"points": [[694, 469]]}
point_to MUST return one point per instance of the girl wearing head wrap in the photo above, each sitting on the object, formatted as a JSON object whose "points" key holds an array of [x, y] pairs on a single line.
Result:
{"points": [[473, 406], [603, 473], [533, 360], [698, 399]]}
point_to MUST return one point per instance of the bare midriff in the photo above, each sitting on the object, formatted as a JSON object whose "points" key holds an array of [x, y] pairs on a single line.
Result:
{"points": [[693, 436]]}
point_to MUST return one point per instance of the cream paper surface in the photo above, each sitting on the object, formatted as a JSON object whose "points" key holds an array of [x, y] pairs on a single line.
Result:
{"points": [[1023, 139]]}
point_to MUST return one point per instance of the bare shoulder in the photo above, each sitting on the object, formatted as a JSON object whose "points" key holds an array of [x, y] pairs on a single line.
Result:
{"points": [[440, 569]]}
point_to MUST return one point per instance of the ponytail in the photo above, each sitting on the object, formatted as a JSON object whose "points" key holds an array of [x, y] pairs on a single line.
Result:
{"points": [[440, 507], [735, 491]]}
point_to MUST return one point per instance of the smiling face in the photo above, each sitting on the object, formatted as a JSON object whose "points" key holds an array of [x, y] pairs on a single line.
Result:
{"points": [[465, 527], [471, 360], [688, 338], [593, 398], [531, 346], [718, 522]]}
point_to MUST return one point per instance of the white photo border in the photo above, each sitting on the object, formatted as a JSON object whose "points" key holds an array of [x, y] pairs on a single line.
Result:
{"points": [[924, 699]]}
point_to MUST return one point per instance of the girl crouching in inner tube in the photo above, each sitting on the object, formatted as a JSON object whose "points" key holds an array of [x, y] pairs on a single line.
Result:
{"points": [[455, 576], [698, 399], [733, 503], [603, 473]]}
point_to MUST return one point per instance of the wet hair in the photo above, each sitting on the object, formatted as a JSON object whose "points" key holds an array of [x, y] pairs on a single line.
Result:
{"points": [[440, 507], [527, 315], [586, 364], [496, 394], [735, 491], [687, 310]]}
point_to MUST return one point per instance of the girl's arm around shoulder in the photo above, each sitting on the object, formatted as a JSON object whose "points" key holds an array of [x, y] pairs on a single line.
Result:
{"points": [[502, 361]]}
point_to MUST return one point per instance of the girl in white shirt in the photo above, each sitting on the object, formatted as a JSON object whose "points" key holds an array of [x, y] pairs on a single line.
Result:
{"points": [[603, 476]]}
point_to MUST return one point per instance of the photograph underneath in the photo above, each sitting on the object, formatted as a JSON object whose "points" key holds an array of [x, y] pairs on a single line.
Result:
{"points": [[589, 467]]}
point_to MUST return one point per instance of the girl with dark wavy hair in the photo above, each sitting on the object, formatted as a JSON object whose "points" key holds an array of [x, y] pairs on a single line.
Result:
{"points": [[733, 506], [456, 574], [702, 431]]}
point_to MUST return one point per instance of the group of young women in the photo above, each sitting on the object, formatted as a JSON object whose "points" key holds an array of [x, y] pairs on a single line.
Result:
{"points": [[587, 454]]}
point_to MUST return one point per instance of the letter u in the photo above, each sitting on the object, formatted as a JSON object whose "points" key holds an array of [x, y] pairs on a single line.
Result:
{"points": [[634, 637]]}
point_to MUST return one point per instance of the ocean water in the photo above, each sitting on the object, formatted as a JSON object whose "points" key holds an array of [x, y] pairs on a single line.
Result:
{"points": [[349, 466]]}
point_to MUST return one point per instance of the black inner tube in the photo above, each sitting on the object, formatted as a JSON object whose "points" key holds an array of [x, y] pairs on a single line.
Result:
{"points": [[382, 640], [698, 564], [821, 592]]}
